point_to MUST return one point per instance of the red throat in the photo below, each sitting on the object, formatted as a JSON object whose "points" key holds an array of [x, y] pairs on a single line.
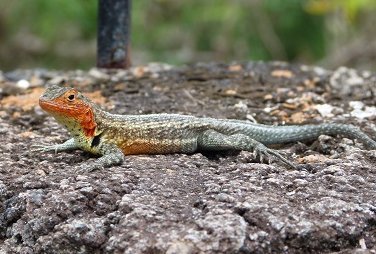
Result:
{"points": [[88, 123]]}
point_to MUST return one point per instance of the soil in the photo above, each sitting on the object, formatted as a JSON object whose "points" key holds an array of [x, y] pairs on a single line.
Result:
{"points": [[197, 203]]}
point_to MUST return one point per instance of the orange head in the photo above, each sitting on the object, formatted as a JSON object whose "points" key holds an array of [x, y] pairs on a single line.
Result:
{"points": [[70, 108]]}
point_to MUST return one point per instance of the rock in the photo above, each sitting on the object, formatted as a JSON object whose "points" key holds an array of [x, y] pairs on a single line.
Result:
{"points": [[195, 203]]}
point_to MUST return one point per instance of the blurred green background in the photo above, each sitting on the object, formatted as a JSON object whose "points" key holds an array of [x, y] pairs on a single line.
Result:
{"points": [[61, 34]]}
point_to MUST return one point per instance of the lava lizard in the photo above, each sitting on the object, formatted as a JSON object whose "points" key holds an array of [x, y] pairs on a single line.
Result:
{"points": [[112, 136]]}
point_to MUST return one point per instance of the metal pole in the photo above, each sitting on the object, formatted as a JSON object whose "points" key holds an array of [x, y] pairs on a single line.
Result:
{"points": [[113, 41]]}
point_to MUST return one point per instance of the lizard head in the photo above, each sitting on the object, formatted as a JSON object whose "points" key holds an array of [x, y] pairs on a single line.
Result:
{"points": [[70, 108]]}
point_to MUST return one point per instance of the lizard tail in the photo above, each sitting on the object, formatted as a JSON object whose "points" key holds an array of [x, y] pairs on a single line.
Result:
{"points": [[309, 132], [267, 134]]}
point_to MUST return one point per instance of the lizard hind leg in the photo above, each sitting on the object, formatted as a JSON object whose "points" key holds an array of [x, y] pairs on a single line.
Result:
{"points": [[211, 140]]}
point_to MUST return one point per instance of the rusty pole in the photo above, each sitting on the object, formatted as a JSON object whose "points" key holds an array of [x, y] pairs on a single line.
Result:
{"points": [[113, 41]]}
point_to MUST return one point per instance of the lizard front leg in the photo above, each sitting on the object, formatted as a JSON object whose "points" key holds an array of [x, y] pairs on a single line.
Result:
{"points": [[213, 140], [68, 145], [111, 156]]}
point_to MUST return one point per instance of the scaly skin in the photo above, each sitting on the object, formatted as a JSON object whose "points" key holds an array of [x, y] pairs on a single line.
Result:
{"points": [[113, 136]]}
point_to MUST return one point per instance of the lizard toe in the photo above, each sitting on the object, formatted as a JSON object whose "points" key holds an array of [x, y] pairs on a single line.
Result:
{"points": [[38, 148], [270, 155]]}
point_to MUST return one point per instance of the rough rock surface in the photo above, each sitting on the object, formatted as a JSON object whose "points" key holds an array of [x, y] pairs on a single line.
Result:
{"points": [[200, 203]]}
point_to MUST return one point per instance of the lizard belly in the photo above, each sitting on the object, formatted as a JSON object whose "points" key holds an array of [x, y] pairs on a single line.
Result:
{"points": [[158, 146], [143, 146]]}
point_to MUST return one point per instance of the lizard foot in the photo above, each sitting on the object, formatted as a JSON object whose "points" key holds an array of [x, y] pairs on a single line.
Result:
{"points": [[89, 167], [266, 154], [44, 148]]}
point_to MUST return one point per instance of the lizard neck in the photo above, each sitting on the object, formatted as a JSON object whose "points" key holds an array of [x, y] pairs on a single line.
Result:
{"points": [[100, 117], [83, 125]]}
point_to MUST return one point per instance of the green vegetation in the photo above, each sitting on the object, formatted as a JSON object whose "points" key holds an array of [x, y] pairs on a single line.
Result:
{"points": [[62, 33]]}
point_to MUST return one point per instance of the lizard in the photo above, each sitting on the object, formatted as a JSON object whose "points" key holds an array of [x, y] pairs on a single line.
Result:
{"points": [[113, 136]]}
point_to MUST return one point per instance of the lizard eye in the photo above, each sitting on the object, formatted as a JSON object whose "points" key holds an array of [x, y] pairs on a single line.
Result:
{"points": [[71, 97]]}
